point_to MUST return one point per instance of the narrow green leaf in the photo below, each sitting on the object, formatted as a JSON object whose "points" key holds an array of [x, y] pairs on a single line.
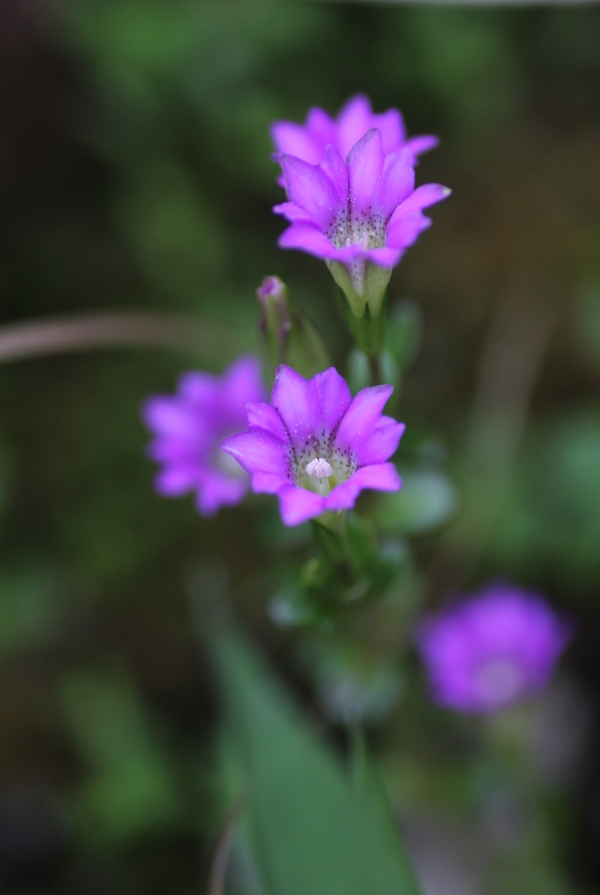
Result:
{"points": [[311, 832]]}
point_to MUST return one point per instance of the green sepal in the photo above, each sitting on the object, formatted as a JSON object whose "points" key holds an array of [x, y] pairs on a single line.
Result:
{"points": [[365, 308]]}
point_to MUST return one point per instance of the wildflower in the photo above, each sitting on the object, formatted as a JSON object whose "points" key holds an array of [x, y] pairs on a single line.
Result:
{"points": [[492, 649], [188, 427], [359, 215], [315, 446], [309, 141]]}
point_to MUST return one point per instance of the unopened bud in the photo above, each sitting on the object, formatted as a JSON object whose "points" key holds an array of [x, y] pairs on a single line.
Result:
{"points": [[288, 336]]}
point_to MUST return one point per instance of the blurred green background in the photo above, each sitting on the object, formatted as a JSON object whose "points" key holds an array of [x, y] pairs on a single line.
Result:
{"points": [[135, 174]]}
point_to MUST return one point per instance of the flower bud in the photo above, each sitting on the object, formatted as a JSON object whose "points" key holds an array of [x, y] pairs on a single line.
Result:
{"points": [[287, 335]]}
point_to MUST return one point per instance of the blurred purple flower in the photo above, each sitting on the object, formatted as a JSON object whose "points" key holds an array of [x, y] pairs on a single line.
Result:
{"points": [[315, 446], [188, 428], [309, 141], [492, 649], [364, 209]]}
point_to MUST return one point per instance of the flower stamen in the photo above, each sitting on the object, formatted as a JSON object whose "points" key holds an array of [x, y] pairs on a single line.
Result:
{"points": [[321, 470]]}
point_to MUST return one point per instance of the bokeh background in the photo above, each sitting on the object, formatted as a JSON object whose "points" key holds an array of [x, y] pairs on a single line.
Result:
{"points": [[135, 175]]}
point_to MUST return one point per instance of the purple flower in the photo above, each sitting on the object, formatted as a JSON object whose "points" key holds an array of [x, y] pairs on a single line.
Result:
{"points": [[492, 649], [188, 428], [315, 446], [309, 141], [359, 214]]}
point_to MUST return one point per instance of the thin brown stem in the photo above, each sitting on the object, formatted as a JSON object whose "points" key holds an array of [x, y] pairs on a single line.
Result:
{"points": [[209, 339]]}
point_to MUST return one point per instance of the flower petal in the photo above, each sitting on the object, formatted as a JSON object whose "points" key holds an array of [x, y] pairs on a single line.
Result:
{"points": [[362, 415], [425, 195], [199, 389], [378, 477], [294, 213], [404, 229], [353, 121], [381, 443], [169, 416], [263, 416], [397, 181], [393, 132], [258, 451], [218, 490], [384, 257], [334, 395], [242, 383], [335, 168], [294, 139], [268, 482], [174, 481], [321, 126], [297, 403], [424, 143], [365, 165], [297, 505], [308, 239], [310, 188]]}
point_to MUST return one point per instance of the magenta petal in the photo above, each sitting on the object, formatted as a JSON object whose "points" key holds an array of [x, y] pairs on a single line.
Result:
{"points": [[263, 416], [404, 229], [269, 482], [297, 505], [169, 416], [308, 239], [393, 132], [353, 121], [176, 480], [381, 443], [321, 127], [362, 415], [379, 477], [297, 403], [334, 395], [258, 451], [293, 139], [220, 491], [243, 383], [418, 145], [423, 196], [397, 182], [294, 213], [387, 257], [365, 165], [310, 188], [334, 166], [199, 389]]}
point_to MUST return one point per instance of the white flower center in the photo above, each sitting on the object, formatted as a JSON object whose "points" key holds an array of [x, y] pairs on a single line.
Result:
{"points": [[319, 468], [499, 681]]}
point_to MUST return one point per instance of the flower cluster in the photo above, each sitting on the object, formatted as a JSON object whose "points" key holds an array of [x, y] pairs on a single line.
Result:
{"points": [[351, 200], [188, 427], [492, 649], [315, 446]]}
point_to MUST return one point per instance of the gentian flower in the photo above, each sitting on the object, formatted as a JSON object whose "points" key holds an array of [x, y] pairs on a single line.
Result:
{"points": [[309, 141], [188, 428], [492, 649], [315, 446], [359, 214]]}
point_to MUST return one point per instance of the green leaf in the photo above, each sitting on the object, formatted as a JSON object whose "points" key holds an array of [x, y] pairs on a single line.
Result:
{"points": [[312, 834]]}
